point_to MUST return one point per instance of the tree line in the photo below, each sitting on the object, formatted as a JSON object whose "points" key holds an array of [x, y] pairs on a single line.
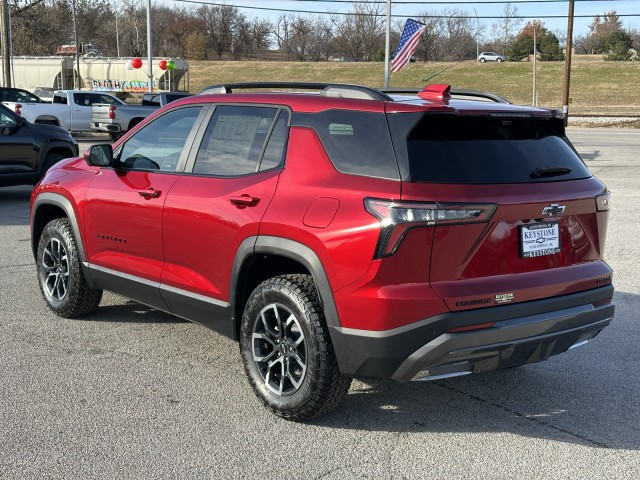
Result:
{"points": [[225, 32]]}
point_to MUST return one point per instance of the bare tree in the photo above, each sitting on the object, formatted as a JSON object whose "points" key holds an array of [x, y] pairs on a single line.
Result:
{"points": [[360, 35], [220, 22], [505, 29]]}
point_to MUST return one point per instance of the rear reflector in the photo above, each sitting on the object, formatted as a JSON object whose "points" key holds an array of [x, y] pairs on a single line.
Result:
{"points": [[469, 328], [604, 301]]}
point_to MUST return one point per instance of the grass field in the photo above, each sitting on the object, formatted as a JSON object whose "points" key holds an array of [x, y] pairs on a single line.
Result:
{"points": [[596, 86]]}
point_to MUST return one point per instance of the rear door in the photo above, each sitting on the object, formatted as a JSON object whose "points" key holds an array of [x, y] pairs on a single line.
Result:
{"points": [[544, 217], [218, 204]]}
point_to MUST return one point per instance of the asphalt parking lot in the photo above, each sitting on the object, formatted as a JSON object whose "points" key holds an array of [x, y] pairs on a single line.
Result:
{"points": [[131, 392]]}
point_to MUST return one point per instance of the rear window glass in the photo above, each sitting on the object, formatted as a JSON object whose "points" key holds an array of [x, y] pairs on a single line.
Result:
{"points": [[356, 142], [452, 149]]}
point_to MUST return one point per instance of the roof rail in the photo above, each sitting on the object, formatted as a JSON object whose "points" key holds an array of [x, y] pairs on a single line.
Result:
{"points": [[459, 93], [329, 89]]}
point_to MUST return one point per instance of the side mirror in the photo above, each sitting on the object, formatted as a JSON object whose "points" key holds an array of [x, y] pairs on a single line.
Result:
{"points": [[99, 155], [22, 121]]}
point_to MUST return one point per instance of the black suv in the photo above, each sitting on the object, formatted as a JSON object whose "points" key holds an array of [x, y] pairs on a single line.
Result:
{"points": [[8, 94], [27, 150]]}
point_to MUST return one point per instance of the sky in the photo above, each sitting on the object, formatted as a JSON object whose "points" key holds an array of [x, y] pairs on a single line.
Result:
{"points": [[535, 9]]}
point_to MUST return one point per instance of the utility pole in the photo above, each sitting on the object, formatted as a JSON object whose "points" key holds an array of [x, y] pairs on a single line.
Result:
{"points": [[75, 40], [6, 42], [477, 35], [567, 64], [149, 52], [535, 55], [387, 45]]}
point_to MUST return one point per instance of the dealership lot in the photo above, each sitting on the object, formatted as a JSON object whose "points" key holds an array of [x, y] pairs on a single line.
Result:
{"points": [[132, 392]]}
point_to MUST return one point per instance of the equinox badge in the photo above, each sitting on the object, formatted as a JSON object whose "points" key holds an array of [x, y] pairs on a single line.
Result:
{"points": [[553, 209]]}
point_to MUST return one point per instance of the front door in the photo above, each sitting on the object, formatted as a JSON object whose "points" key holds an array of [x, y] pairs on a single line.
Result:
{"points": [[124, 206]]}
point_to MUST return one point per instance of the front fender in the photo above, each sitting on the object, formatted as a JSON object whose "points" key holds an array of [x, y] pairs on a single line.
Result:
{"points": [[39, 219]]}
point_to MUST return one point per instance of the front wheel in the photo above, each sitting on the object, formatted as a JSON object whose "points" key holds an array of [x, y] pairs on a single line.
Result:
{"points": [[286, 350], [60, 274]]}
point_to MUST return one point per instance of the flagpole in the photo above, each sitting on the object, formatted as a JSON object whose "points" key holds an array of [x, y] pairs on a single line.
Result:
{"points": [[387, 45]]}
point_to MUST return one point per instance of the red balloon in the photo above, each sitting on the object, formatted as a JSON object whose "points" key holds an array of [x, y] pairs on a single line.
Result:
{"points": [[163, 64], [136, 63]]}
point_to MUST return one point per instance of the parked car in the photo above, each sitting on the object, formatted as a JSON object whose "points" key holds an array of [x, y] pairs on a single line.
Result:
{"points": [[9, 94], [70, 109], [337, 234], [118, 119], [28, 150], [491, 57]]}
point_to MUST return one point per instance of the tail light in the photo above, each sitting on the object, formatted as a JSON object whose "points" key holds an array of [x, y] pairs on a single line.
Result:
{"points": [[112, 112], [602, 202], [397, 218], [17, 109]]}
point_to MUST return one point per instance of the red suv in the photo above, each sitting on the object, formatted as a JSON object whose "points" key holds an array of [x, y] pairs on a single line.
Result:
{"points": [[338, 233]]}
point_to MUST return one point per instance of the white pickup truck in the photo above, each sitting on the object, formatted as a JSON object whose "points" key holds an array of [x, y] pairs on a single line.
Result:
{"points": [[70, 109], [117, 120]]}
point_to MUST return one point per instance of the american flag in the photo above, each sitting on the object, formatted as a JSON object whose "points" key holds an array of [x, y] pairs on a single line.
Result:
{"points": [[408, 43]]}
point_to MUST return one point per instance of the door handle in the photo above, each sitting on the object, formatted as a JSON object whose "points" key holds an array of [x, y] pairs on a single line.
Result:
{"points": [[150, 193], [242, 201]]}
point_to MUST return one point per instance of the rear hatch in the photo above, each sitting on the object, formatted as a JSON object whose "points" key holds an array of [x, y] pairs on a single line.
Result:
{"points": [[520, 217]]}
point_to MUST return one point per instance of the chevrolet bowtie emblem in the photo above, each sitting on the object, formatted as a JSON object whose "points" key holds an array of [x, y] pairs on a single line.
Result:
{"points": [[553, 209]]}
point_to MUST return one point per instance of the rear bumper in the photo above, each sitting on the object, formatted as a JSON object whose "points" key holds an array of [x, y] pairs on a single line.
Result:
{"points": [[105, 127], [524, 333]]}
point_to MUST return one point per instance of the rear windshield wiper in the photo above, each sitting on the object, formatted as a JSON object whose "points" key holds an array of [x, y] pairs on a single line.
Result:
{"points": [[542, 171]]}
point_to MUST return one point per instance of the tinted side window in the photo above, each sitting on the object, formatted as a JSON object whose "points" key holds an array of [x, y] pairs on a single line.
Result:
{"points": [[452, 149], [159, 144], [356, 142], [27, 97], [104, 99], [274, 153], [234, 141]]}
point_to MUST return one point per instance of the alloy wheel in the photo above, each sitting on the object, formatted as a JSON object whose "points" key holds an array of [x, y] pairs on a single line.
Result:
{"points": [[55, 269], [279, 349]]}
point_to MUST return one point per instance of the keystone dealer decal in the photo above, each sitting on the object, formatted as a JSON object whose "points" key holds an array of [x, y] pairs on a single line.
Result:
{"points": [[540, 239]]}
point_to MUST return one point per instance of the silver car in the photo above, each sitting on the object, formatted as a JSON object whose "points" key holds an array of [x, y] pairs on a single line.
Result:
{"points": [[491, 57]]}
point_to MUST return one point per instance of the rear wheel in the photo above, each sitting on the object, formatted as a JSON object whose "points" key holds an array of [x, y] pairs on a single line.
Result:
{"points": [[60, 274], [499, 60], [286, 349], [482, 60]]}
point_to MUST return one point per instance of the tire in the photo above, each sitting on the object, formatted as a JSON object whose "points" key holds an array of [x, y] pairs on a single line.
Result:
{"points": [[482, 60], [499, 60], [60, 274], [291, 365], [49, 161]]}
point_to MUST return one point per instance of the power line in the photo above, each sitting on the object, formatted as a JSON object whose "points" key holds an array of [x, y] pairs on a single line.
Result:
{"points": [[442, 2], [484, 17]]}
